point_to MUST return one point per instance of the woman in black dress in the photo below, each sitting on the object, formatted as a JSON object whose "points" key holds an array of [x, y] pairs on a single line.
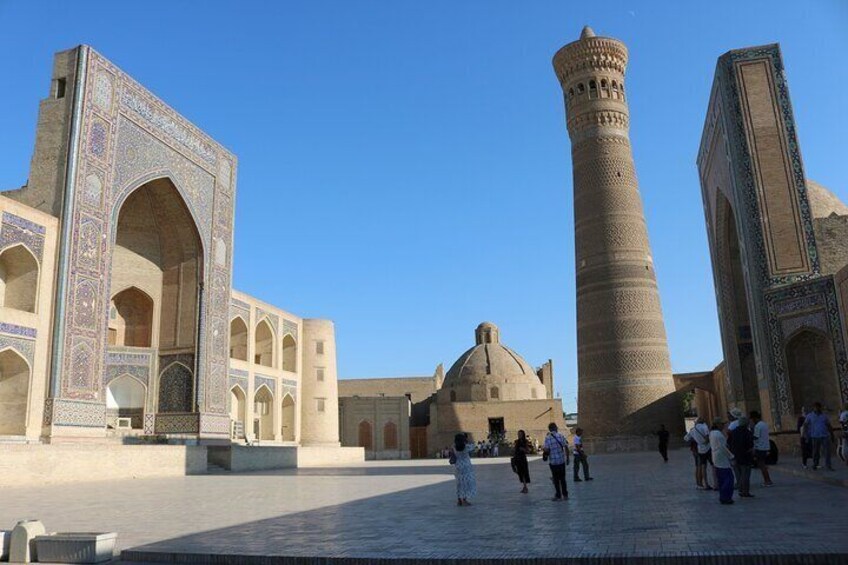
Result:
{"points": [[522, 448]]}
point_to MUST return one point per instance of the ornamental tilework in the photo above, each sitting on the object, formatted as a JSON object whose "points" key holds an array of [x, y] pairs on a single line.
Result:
{"points": [[270, 382], [72, 413], [15, 229], [272, 318], [24, 347], [175, 389], [178, 423], [126, 137], [828, 319], [290, 327], [15, 330]]}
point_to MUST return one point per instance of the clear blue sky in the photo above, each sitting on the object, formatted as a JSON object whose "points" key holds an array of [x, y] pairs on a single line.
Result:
{"points": [[404, 166]]}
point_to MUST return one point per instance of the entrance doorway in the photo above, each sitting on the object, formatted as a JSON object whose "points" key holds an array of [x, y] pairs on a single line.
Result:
{"points": [[496, 427]]}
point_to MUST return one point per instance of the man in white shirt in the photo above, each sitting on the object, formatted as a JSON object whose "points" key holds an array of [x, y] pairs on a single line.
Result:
{"points": [[761, 446]]}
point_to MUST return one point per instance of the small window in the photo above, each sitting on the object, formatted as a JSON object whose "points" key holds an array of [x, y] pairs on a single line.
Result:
{"points": [[319, 374], [60, 88], [453, 396], [593, 89], [580, 88], [605, 90], [319, 404], [494, 393], [319, 348]]}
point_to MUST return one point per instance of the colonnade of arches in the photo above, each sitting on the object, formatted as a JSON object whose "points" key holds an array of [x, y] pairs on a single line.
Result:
{"points": [[267, 421], [266, 348]]}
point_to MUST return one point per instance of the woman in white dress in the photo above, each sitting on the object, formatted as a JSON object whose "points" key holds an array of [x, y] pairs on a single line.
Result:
{"points": [[466, 483]]}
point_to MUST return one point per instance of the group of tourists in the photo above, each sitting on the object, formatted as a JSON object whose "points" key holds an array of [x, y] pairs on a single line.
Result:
{"points": [[555, 451], [734, 447]]}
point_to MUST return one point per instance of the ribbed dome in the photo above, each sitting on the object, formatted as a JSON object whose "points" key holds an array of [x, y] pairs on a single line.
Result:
{"points": [[823, 202], [490, 364]]}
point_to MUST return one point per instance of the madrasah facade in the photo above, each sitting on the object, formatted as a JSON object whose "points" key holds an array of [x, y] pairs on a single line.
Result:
{"points": [[117, 315]]}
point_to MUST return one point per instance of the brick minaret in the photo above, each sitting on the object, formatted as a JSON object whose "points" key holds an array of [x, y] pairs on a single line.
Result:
{"points": [[624, 372]]}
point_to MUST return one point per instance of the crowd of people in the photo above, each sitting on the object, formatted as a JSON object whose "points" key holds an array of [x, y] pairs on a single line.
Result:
{"points": [[726, 452]]}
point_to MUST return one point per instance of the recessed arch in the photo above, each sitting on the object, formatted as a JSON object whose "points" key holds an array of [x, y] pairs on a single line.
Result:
{"points": [[125, 398], [157, 246], [15, 375], [238, 339], [18, 278], [811, 369], [176, 388], [263, 352], [494, 393], [263, 413], [288, 417], [366, 435], [390, 436], [453, 396], [131, 318], [289, 353], [238, 407]]}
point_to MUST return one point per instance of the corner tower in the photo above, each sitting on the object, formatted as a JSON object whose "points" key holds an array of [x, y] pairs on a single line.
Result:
{"points": [[624, 373]]}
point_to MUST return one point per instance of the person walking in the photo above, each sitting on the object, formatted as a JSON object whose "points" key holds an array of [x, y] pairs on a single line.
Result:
{"points": [[466, 482], [821, 434], [741, 444], [580, 457], [761, 446], [662, 435], [555, 452], [722, 462], [804, 438], [519, 460]]}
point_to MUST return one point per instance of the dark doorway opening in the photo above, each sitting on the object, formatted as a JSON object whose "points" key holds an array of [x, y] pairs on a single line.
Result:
{"points": [[496, 426]]}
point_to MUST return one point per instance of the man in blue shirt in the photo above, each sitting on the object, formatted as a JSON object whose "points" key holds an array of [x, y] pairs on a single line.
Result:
{"points": [[556, 453], [821, 434]]}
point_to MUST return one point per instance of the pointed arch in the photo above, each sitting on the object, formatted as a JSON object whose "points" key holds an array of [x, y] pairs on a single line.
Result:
{"points": [[126, 397], [19, 272], [366, 435], [238, 409], [390, 436], [131, 318], [289, 353], [811, 369], [15, 376], [238, 339], [263, 413], [176, 388], [264, 341], [288, 417]]}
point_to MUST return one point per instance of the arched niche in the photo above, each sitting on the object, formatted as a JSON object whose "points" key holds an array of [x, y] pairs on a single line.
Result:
{"points": [[263, 352], [18, 278], [288, 414], [811, 370], [158, 247], [263, 413], [366, 435], [131, 318], [238, 339], [289, 353], [176, 389], [238, 406], [125, 398], [390, 436], [14, 392]]}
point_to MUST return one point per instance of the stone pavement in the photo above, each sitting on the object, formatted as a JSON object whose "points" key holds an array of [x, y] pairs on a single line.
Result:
{"points": [[637, 506]]}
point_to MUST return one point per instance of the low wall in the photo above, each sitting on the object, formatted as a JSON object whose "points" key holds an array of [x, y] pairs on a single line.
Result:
{"points": [[22, 465], [319, 456], [239, 458]]}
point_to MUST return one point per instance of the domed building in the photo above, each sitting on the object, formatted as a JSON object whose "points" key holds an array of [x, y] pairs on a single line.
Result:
{"points": [[489, 391], [492, 390]]}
